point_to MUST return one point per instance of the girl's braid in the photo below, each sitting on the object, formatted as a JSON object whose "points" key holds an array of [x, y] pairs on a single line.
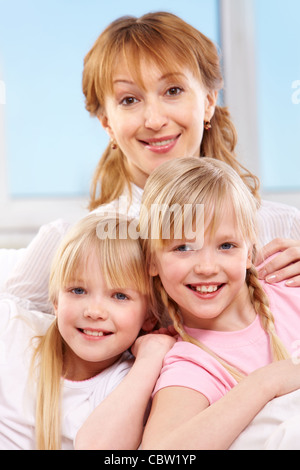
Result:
{"points": [[261, 305]]}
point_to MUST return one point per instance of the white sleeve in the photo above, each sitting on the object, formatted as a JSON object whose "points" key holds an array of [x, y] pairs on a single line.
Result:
{"points": [[295, 228], [29, 278], [8, 259], [278, 221]]}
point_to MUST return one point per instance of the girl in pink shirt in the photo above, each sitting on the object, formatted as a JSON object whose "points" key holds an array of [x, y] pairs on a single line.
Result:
{"points": [[200, 242]]}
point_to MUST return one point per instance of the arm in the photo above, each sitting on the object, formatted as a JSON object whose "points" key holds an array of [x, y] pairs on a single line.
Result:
{"points": [[118, 422], [181, 418], [29, 279], [285, 265], [8, 259]]}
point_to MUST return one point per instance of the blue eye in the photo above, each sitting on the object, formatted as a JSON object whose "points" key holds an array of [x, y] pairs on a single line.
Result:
{"points": [[226, 246], [120, 296], [78, 291], [183, 248]]}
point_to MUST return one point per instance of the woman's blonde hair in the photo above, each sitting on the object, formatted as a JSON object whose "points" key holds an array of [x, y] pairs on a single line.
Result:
{"points": [[190, 182], [170, 43], [122, 265]]}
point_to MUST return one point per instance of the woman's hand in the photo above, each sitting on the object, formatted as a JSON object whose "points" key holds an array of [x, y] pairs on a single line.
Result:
{"points": [[285, 266]]}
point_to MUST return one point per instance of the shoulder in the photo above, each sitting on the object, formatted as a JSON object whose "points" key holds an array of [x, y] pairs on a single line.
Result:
{"points": [[127, 204], [105, 382], [278, 220], [187, 365], [285, 305], [58, 225], [280, 292], [271, 207], [52, 230]]}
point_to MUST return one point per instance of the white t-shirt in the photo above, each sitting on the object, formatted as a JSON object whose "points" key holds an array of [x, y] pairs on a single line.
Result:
{"points": [[17, 397]]}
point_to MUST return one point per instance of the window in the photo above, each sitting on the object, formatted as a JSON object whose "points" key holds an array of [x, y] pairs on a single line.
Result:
{"points": [[263, 93], [278, 71]]}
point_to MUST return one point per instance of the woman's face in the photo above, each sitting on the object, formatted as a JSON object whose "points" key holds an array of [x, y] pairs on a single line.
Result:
{"points": [[158, 122]]}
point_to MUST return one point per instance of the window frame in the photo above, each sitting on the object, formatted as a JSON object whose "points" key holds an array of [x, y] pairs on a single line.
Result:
{"points": [[240, 93]]}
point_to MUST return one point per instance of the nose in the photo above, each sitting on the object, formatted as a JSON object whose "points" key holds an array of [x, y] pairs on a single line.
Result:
{"points": [[95, 311], [155, 115], [206, 263]]}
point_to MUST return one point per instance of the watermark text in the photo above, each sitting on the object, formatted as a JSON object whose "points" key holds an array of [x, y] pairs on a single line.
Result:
{"points": [[161, 222]]}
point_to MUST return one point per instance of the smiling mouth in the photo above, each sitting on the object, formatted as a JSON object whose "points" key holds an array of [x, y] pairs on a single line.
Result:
{"points": [[95, 332], [160, 142], [203, 289]]}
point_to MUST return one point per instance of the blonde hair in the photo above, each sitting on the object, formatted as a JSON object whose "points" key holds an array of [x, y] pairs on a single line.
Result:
{"points": [[214, 184], [122, 265], [169, 42]]}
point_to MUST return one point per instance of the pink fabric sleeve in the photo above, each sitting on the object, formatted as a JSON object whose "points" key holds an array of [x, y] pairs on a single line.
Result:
{"points": [[185, 367]]}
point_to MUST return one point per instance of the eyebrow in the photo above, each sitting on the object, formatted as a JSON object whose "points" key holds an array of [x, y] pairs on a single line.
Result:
{"points": [[172, 74]]}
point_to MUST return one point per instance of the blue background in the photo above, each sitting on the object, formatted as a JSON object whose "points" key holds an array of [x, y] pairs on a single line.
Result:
{"points": [[52, 143], [278, 61]]}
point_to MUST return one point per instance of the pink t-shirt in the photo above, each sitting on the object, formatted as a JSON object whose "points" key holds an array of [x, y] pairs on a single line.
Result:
{"points": [[189, 366]]}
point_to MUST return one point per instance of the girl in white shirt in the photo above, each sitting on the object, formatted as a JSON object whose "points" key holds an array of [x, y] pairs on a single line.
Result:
{"points": [[63, 376]]}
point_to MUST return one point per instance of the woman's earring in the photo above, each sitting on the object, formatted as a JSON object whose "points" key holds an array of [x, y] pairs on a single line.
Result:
{"points": [[207, 125], [113, 145]]}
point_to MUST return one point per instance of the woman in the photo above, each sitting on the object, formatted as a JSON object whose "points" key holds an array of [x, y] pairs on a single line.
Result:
{"points": [[153, 82]]}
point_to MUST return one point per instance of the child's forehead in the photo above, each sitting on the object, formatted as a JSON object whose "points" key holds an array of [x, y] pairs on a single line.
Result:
{"points": [[83, 271], [93, 268], [213, 220], [88, 260]]}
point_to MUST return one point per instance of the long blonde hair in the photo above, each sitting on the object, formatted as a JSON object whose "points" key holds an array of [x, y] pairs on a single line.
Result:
{"points": [[122, 265], [169, 42], [214, 184]]}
